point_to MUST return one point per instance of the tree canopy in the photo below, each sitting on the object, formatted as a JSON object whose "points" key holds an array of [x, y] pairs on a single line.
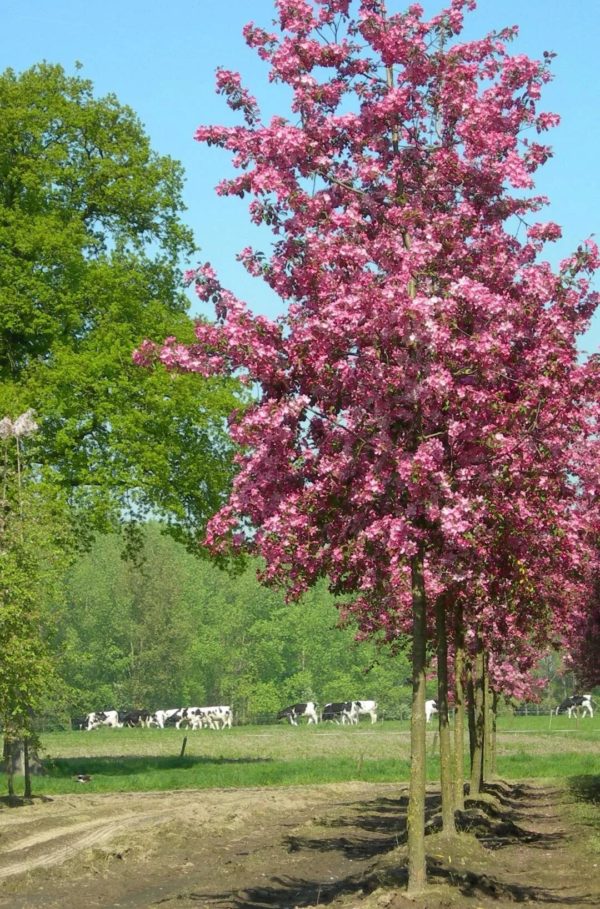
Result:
{"points": [[91, 249]]}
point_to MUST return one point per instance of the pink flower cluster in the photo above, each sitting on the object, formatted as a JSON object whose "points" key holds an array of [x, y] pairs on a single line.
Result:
{"points": [[423, 388]]}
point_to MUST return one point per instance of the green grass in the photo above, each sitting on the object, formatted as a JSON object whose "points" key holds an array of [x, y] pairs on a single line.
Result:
{"points": [[121, 760], [145, 774]]}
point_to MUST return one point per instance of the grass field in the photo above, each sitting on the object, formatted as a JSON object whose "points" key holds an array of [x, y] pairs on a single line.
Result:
{"points": [[120, 760]]}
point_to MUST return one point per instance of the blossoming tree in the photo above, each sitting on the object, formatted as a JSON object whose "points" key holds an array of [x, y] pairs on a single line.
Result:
{"points": [[407, 400]]}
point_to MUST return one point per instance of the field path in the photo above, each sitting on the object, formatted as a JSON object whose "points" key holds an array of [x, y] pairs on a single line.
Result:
{"points": [[340, 844]]}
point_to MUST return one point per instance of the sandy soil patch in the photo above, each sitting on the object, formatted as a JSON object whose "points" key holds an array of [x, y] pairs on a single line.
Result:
{"points": [[288, 847]]}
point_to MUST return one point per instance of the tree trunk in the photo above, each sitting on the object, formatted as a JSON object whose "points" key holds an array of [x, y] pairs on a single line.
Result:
{"points": [[446, 766], [494, 764], [459, 713], [479, 721], [8, 765], [470, 710], [488, 723], [417, 869], [26, 769]]}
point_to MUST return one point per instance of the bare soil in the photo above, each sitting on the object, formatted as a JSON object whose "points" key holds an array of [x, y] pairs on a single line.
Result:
{"points": [[340, 844]]}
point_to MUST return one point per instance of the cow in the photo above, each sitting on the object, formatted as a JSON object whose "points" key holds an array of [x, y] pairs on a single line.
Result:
{"points": [[211, 717], [103, 718], [293, 713], [431, 707], [340, 712], [164, 718], [366, 708], [131, 718], [222, 716], [195, 717], [578, 704], [201, 718], [182, 716]]}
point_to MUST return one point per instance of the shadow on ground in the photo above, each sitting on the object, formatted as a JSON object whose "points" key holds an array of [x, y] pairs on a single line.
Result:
{"points": [[129, 765], [585, 788], [375, 831]]}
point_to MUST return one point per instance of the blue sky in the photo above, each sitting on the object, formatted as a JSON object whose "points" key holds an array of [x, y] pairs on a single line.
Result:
{"points": [[160, 59]]}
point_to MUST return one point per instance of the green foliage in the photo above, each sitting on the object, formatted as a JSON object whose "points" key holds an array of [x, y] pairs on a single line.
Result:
{"points": [[35, 550], [170, 629], [91, 244]]}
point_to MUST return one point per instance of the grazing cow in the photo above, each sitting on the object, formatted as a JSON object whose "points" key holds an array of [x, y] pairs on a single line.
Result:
{"points": [[103, 718], [578, 704], [131, 718], [293, 713], [164, 718], [185, 717], [431, 707], [222, 716], [340, 712], [366, 708], [201, 717], [182, 717], [196, 717]]}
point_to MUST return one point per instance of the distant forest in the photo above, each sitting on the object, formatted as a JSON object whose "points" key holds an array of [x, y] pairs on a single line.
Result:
{"points": [[171, 629]]}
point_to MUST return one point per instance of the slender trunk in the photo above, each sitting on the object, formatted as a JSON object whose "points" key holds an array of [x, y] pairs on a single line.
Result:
{"points": [[494, 765], [26, 769], [487, 724], [477, 766], [471, 711], [4, 503], [417, 870], [459, 713], [446, 766], [8, 765]]}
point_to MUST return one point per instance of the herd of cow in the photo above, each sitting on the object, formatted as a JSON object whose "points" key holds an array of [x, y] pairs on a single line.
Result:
{"points": [[189, 717], [340, 712], [337, 711]]}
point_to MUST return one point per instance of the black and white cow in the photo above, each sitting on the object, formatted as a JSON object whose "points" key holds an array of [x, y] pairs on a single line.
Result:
{"points": [[131, 718], [216, 717], [162, 718], [201, 718], [180, 716], [340, 712], [103, 718], [431, 707], [295, 711], [366, 708], [222, 716], [578, 704]]}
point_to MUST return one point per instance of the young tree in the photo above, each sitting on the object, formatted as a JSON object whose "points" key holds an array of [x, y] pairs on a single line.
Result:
{"points": [[409, 397], [35, 548]]}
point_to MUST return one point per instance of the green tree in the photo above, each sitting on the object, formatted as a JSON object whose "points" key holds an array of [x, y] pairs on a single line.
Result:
{"points": [[127, 627], [169, 629], [91, 245], [35, 548]]}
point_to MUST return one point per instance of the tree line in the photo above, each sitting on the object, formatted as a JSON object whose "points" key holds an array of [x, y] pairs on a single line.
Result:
{"points": [[168, 629]]}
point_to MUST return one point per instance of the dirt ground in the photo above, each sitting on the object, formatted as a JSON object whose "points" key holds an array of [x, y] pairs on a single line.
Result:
{"points": [[284, 848]]}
